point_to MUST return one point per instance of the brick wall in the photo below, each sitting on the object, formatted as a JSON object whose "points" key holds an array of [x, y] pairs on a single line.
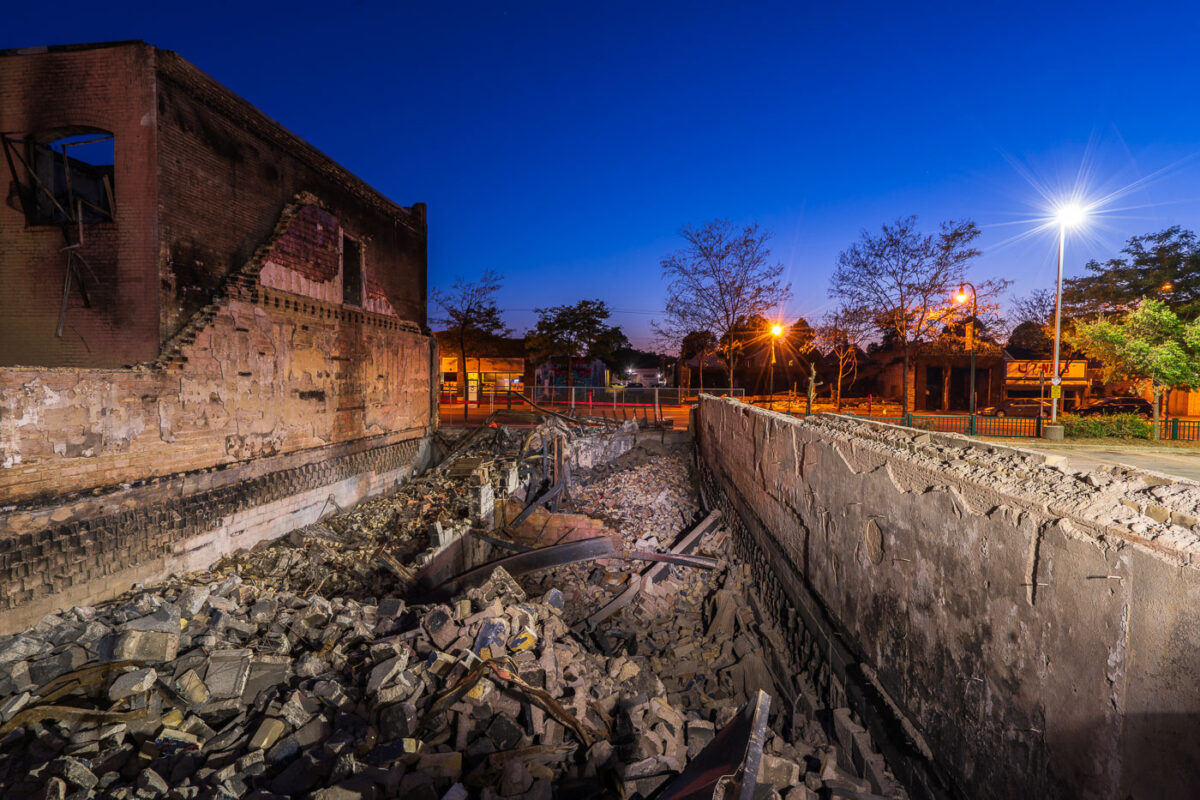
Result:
{"points": [[310, 245], [253, 393], [226, 171], [109, 89], [270, 373], [246, 429]]}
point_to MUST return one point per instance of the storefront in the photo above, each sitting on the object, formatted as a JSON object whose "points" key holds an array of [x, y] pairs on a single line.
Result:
{"points": [[485, 376], [1031, 378]]}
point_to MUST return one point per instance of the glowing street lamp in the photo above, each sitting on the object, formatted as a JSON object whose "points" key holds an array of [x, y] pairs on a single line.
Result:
{"points": [[776, 332], [961, 297], [1067, 216]]}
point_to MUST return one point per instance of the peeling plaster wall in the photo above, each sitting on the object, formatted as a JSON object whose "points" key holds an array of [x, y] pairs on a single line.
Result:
{"points": [[280, 410], [256, 381], [1043, 644]]}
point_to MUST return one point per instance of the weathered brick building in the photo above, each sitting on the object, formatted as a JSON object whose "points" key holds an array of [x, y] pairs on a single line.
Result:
{"points": [[210, 332]]}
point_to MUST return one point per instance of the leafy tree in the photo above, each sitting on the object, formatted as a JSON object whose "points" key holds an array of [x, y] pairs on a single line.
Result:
{"points": [[1149, 344], [903, 278], [718, 281], [699, 345], [628, 356], [1029, 340], [471, 316], [842, 334], [1033, 336], [1163, 265], [574, 331]]}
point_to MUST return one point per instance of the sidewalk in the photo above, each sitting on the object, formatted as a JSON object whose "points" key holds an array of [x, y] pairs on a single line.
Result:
{"points": [[1178, 459]]}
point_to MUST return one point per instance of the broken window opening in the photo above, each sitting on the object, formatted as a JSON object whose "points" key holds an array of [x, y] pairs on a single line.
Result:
{"points": [[352, 272], [68, 182], [69, 176]]}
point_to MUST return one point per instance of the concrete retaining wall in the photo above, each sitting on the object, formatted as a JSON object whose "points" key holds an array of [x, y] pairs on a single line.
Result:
{"points": [[1034, 626]]}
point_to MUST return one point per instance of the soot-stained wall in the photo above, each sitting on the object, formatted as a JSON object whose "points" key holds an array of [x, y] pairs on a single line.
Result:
{"points": [[271, 409], [49, 92], [260, 357], [1036, 626], [225, 172]]}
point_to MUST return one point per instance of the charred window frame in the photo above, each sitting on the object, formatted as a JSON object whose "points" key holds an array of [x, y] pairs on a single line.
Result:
{"points": [[64, 176], [352, 271]]}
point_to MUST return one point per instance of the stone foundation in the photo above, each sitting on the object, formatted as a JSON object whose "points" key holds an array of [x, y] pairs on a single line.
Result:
{"points": [[137, 535]]}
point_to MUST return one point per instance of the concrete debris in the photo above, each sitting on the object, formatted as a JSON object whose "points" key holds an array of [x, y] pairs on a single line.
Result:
{"points": [[1155, 509], [297, 669]]}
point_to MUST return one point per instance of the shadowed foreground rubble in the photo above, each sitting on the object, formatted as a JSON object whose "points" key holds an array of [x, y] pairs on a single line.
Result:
{"points": [[300, 669]]}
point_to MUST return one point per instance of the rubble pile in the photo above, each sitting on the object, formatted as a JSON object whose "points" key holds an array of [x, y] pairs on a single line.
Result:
{"points": [[297, 669], [228, 691], [646, 495], [692, 628], [365, 551]]}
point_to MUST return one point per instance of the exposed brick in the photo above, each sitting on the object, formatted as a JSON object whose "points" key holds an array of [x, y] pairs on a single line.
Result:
{"points": [[154, 416]]}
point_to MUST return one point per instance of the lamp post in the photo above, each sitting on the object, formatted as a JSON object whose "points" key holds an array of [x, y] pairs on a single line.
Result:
{"points": [[962, 298], [776, 332], [1067, 216]]}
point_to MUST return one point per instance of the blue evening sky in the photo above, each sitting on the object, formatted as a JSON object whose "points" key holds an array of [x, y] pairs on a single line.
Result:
{"points": [[563, 144]]}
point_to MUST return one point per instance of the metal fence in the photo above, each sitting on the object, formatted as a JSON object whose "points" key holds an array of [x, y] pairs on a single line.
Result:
{"points": [[575, 396], [649, 406], [583, 396], [1183, 430], [626, 395]]}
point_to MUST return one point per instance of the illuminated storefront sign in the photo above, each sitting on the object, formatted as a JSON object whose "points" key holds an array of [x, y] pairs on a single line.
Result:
{"points": [[1035, 372]]}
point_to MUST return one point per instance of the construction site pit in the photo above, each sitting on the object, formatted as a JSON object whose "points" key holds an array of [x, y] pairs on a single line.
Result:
{"points": [[552, 611]]}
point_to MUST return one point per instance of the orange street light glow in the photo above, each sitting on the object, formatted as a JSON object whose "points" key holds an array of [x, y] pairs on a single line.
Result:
{"points": [[776, 330], [961, 296]]}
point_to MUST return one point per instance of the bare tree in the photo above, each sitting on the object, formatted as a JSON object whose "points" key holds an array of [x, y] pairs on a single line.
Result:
{"points": [[471, 316], [843, 333], [1037, 306], [904, 277], [723, 277]]}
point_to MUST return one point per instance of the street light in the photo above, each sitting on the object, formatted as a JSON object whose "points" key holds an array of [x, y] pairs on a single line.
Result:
{"points": [[776, 332], [1067, 216], [961, 297]]}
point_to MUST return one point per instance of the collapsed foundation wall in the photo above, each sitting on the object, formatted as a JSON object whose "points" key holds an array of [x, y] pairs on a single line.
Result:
{"points": [[143, 534], [1035, 628]]}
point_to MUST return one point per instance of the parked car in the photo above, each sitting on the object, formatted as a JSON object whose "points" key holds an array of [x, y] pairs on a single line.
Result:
{"points": [[1118, 405], [634, 385], [1019, 407]]}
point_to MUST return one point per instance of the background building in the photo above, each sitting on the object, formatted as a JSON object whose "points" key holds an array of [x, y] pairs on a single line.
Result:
{"points": [[493, 367]]}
